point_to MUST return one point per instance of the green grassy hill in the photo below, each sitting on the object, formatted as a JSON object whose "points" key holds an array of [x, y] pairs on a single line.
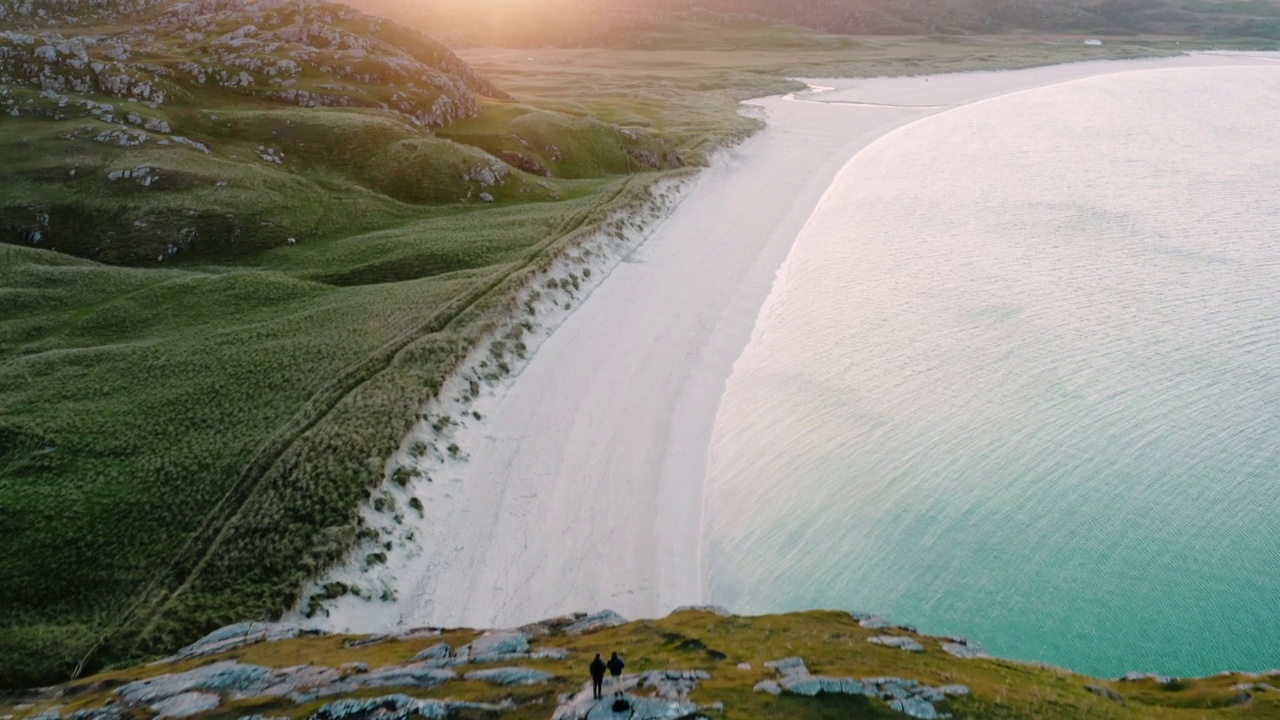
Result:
{"points": [[247, 241], [692, 664]]}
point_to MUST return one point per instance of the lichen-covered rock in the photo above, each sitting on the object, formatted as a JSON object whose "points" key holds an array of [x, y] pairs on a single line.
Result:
{"points": [[642, 708], [897, 641], [713, 609], [510, 676], [963, 649], [802, 684], [219, 677], [416, 675], [914, 707], [1137, 676], [398, 707], [768, 686], [788, 666], [439, 650], [186, 704], [490, 171], [597, 621], [869, 621], [502, 642], [673, 684]]}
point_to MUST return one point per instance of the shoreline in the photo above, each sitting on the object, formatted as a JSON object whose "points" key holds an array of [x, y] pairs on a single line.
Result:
{"points": [[579, 483]]}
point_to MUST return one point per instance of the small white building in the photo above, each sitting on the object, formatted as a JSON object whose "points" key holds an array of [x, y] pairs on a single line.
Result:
{"points": [[1093, 41]]}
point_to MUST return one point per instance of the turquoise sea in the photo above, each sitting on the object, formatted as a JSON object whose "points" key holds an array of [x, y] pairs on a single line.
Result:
{"points": [[1019, 379]]}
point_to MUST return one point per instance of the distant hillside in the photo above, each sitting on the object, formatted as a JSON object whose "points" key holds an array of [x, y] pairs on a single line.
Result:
{"points": [[624, 22], [136, 131]]}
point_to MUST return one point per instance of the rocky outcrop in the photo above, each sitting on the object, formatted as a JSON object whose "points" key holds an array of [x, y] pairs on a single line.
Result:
{"points": [[598, 621], [669, 699], [510, 676], [399, 707], [901, 642], [908, 697], [298, 52], [963, 648]]}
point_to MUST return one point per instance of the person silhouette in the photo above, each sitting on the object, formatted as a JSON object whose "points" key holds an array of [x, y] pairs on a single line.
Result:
{"points": [[597, 677], [615, 666]]}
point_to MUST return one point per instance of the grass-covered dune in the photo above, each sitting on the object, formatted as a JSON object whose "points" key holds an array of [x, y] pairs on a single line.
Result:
{"points": [[694, 663]]}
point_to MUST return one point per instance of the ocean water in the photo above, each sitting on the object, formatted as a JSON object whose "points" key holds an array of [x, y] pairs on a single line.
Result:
{"points": [[1019, 379]]}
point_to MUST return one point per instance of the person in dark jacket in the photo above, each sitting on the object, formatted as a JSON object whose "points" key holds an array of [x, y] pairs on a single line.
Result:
{"points": [[615, 666], [597, 677]]}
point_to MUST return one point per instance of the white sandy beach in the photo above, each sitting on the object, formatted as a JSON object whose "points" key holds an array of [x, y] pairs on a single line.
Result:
{"points": [[582, 487]]}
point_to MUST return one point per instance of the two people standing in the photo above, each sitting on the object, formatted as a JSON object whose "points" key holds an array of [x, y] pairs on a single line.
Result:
{"points": [[614, 666]]}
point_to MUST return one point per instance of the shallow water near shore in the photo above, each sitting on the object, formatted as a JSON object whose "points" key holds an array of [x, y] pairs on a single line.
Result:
{"points": [[1020, 379]]}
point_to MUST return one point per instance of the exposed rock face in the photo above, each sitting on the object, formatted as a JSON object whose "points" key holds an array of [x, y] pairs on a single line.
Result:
{"points": [[597, 621], [417, 675], [505, 642], [670, 700], [906, 696], [435, 652], [713, 609], [240, 634], [397, 707], [963, 648], [510, 676], [186, 704], [226, 676], [897, 641]]}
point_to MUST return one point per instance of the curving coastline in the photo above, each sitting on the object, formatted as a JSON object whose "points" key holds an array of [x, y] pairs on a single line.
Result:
{"points": [[579, 481]]}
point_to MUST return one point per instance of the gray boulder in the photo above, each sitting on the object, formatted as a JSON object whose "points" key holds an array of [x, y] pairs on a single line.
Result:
{"points": [[897, 641], [186, 704], [642, 708], [788, 666], [219, 677], [768, 686], [713, 609], [802, 684], [240, 634], [551, 653], [503, 642], [673, 684], [439, 650], [598, 621], [967, 650], [510, 676], [398, 707], [416, 675], [914, 707]]}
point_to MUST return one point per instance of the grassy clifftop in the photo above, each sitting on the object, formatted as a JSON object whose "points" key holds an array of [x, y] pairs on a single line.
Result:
{"points": [[695, 663]]}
